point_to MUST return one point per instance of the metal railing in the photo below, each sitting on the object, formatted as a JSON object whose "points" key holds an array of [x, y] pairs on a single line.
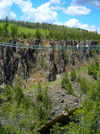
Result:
{"points": [[96, 47]]}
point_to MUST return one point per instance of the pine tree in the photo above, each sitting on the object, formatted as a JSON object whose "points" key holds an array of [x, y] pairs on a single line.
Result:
{"points": [[6, 28], [38, 34], [14, 31], [1, 31]]}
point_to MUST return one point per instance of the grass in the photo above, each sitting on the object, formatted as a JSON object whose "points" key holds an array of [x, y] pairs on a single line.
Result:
{"points": [[81, 70], [24, 29], [43, 85], [57, 81]]}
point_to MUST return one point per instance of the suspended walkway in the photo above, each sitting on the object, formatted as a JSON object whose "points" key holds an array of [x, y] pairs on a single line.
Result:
{"points": [[96, 47]]}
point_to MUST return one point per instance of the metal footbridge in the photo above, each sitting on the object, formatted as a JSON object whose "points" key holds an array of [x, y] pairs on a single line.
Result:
{"points": [[87, 47]]}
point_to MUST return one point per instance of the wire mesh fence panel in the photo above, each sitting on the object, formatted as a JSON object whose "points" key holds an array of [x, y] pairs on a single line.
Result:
{"points": [[96, 47]]}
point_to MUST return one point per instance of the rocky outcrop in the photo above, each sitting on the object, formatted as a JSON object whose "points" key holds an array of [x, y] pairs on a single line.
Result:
{"points": [[22, 62], [61, 101]]}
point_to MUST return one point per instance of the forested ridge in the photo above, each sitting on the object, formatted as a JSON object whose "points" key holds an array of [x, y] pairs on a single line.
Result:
{"points": [[21, 29]]}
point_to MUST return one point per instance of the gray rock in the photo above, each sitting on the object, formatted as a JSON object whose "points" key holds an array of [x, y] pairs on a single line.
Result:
{"points": [[63, 94], [1, 88], [62, 101], [76, 100]]}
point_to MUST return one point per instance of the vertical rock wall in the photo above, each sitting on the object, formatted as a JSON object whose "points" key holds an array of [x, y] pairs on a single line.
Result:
{"points": [[20, 62]]}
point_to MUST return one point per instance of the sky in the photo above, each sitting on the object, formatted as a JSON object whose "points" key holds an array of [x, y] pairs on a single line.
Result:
{"points": [[84, 14]]}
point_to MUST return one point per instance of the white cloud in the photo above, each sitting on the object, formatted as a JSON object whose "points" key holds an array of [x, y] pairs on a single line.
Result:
{"points": [[72, 23], [25, 6], [84, 26], [93, 27], [58, 23], [76, 10], [95, 3], [55, 1], [56, 8], [5, 9], [42, 13], [13, 15], [76, 24]]}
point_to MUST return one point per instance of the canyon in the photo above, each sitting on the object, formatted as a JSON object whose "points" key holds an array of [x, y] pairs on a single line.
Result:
{"points": [[45, 65]]}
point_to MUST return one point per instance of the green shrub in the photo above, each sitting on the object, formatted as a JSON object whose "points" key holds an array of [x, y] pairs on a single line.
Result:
{"points": [[46, 99], [14, 31], [69, 88], [83, 85], [66, 107], [27, 102], [42, 109], [73, 75], [64, 55], [18, 94], [38, 33], [65, 80], [42, 64], [66, 83], [56, 129], [1, 31], [78, 79], [97, 64], [2, 130], [94, 74], [8, 92], [93, 52], [87, 53], [92, 70], [39, 95], [52, 53]]}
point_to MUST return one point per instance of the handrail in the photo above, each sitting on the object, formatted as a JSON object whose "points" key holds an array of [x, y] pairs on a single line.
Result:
{"points": [[94, 47]]}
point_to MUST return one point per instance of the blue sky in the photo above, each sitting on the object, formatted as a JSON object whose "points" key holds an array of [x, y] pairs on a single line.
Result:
{"points": [[83, 14]]}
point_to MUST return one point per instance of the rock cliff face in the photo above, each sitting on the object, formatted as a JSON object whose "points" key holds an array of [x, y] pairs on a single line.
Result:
{"points": [[22, 62]]}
